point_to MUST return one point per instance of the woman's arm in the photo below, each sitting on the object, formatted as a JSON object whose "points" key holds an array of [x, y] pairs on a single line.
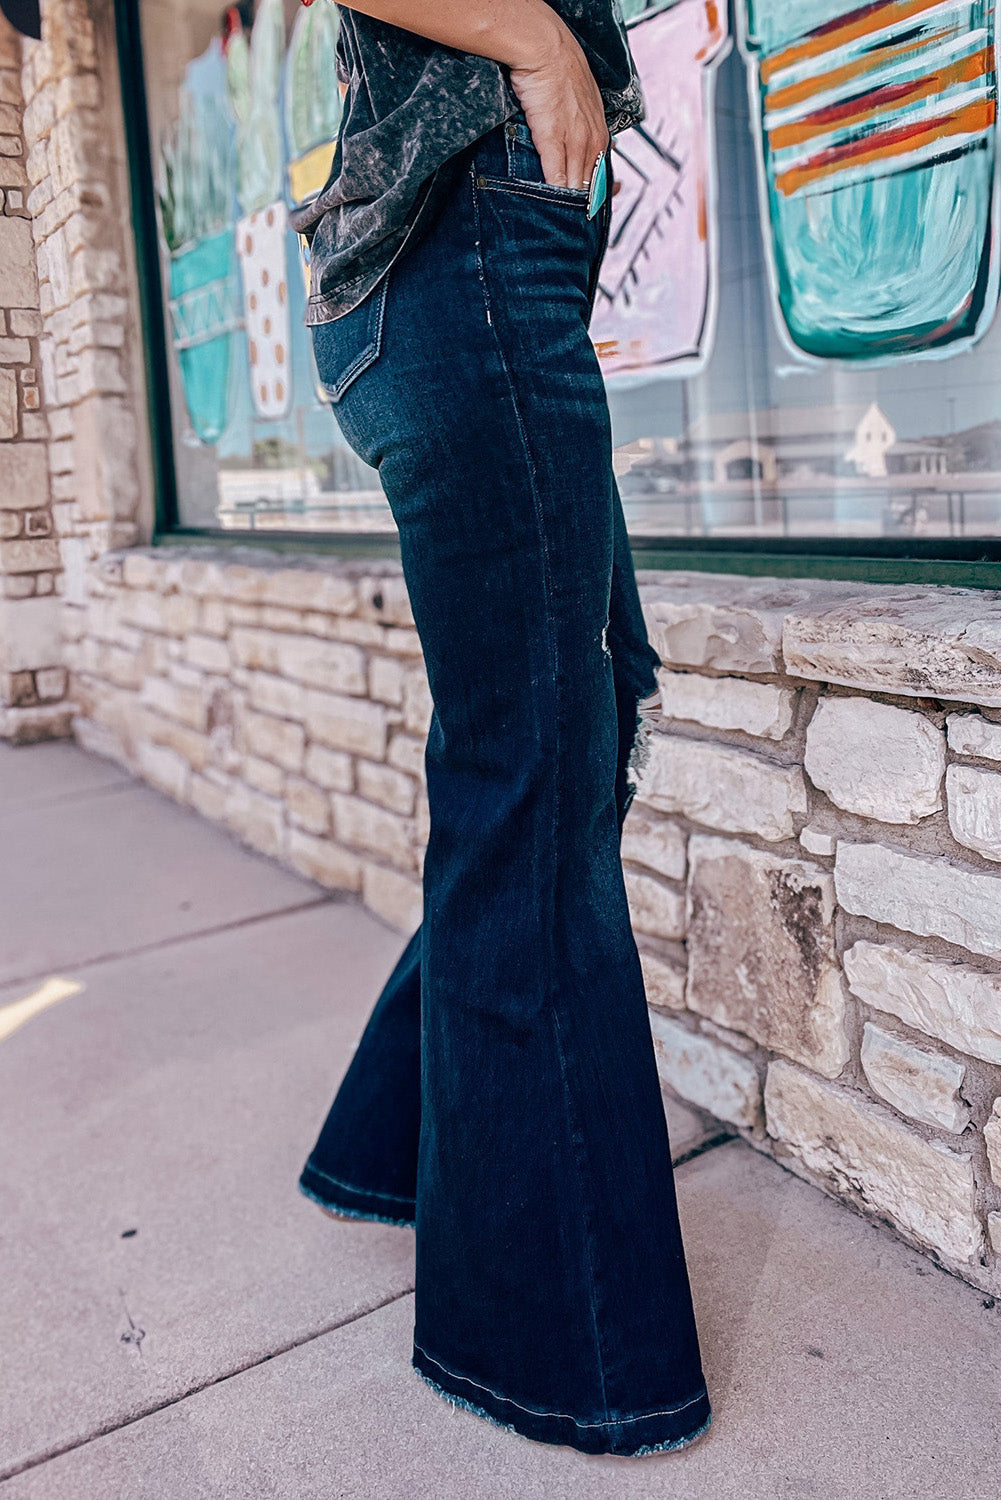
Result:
{"points": [[547, 67]]}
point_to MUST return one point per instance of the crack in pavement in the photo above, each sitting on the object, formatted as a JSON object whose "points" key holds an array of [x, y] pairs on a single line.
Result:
{"points": [[133, 1335], [331, 898], [72, 1444], [59, 799]]}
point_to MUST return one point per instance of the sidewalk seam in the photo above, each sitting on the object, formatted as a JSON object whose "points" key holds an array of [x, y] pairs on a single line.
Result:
{"points": [[61, 798], [252, 1364], [326, 898]]}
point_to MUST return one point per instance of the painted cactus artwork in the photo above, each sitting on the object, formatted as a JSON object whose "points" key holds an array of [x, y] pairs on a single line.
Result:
{"points": [[876, 129], [253, 75], [194, 197], [656, 298], [260, 245], [313, 108], [313, 103]]}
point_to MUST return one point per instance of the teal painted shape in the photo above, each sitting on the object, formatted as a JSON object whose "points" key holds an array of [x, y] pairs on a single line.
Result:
{"points": [[891, 266], [204, 309], [896, 258]]}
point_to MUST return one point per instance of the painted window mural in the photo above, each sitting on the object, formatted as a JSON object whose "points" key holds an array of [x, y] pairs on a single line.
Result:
{"points": [[797, 316]]}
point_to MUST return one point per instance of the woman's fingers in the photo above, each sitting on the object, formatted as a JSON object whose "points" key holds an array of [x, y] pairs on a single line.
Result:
{"points": [[552, 154], [577, 171], [565, 112]]}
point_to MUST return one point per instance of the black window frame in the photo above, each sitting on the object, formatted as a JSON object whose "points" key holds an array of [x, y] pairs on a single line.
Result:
{"points": [[960, 562]]}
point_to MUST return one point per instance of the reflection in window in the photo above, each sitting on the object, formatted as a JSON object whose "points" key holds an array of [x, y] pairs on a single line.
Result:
{"points": [[797, 310]]}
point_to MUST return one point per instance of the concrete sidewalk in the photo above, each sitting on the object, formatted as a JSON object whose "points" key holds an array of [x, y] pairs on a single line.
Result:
{"points": [[177, 1322]]}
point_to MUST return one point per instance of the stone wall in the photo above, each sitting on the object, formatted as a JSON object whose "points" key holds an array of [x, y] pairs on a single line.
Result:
{"points": [[823, 938], [287, 702], [32, 674], [74, 474], [813, 858]]}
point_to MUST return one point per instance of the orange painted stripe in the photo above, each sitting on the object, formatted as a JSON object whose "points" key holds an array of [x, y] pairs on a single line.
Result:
{"points": [[869, 106], [797, 93], [887, 144], [847, 28], [714, 28]]}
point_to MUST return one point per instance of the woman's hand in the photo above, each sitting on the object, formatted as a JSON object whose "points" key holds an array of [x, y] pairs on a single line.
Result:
{"points": [[545, 62], [564, 110]]}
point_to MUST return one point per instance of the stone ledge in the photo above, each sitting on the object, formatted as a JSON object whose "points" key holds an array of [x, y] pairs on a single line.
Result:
{"points": [[929, 641], [280, 587], [231, 554]]}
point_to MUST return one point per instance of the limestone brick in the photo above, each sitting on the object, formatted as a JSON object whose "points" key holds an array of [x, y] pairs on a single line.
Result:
{"points": [[407, 754], [24, 475], [948, 1000], [864, 1153], [654, 841], [971, 734], [876, 760], [396, 898], [17, 255], [928, 896], [654, 907], [263, 776], [918, 642], [331, 769], [385, 679], [363, 825], [992, 1139], [664, 982], [706, 1073], [278, 740], [417, 704], [761, 957], [388, 787], [308, 807], [924, 1085], [975, 809], [186, 705], [323, 861], [256, 818], [732, 790], [342, 723], [276, 695]]}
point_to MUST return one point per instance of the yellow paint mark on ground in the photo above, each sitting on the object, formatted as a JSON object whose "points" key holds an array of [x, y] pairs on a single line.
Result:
{"points": [[51, 992]]}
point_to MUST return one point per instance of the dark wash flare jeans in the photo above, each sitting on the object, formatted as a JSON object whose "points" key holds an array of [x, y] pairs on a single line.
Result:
{"points": [[504, 1096]]}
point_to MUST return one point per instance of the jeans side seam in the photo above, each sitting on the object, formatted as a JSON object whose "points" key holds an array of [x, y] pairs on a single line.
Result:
{"points": [[643, 1416], [554, 654], [547, 570], [577, 1144]]}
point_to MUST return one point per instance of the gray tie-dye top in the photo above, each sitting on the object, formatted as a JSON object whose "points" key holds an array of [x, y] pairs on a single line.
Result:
{"points": [[411, 106]]}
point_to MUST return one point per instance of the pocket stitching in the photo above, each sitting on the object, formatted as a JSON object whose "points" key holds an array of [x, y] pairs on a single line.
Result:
{"points": [[551, 191], [364, 357]]}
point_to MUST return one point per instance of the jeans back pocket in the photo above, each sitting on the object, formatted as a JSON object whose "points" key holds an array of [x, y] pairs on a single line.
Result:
{"points": [[520, 169], [347, 346]]}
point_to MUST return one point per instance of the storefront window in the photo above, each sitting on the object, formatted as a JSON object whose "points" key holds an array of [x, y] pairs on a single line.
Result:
{"points": [[797, 313]]}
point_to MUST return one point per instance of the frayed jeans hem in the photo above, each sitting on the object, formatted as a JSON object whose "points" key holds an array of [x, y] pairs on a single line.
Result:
{"points": [[350, 1210], [632, 1437]]}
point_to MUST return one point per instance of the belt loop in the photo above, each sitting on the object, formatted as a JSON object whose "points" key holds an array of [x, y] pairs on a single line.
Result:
{"points": [[510, 136]]}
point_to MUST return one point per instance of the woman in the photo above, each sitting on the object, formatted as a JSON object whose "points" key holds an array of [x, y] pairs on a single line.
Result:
{"points": [[504, 1097]]}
